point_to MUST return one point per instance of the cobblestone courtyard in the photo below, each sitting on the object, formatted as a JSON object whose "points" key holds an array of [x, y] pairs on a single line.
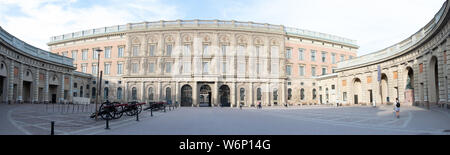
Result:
{"points": [[314, 120]]}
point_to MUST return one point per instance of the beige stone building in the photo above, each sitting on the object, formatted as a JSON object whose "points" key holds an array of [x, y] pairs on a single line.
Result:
{"points": [[32, 75], [206, 62], [415, 70]]}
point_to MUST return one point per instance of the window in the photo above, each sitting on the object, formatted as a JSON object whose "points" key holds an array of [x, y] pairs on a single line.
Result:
{"points": [[134, 93], [333, 87], [94, 92], [94, 53], [150, 94], [314, 94], [84, 54], [107, 69], [344, 96], [94, 69], [169, 50], [168, 94], [288, 53], [342, 58], [334, 70], [107, 52], [152, 50], [242, 94], [300, 54], [120, 52], [134, 67], [241, 68], [333, 58], [205, 67], [187, 50], [301, 70], [302, 94], [75, 85], [289, 94], [324, 71], [313, 71], [224, 50], [205, 50], [106, 93], [288, 70], [258, 94], [275, 94], [65, 53], [224, 67], [313, 55], [324, 57], [84, 68], [350, 57], [151, 67], [257, 51], [135, 50], [119, 93], [187, 67], [119, 68], [74, 55], [168, 67]]}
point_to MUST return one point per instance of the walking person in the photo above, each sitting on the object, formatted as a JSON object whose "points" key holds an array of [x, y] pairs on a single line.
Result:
{"points": [[397, 108]]}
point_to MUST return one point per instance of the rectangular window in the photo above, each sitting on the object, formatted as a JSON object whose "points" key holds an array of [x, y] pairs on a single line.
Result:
{"points": [[187, 67], [241, 68], [107, 52], [313, 71], [152, 50], [224, 50], [313, 55], [94, 53], [74, 55], [369, 79], [169, 50], [94, 69], [324, 71], [65, 53], [300, 54], [84, 68], [168, 67], [107, 69], [344, 96], [119, 69], [205, 67], [120, 52], [135, 50], [395, 75], [324, 57], [258, 68], [420, 68], [134, 67], [333, 58], [288, 70], [288, 53], [301, 70], [205, 50], [257, 51], [84, 54], [344, 83], [224, 67], [342, 58], [187, 50], [151, 67]]}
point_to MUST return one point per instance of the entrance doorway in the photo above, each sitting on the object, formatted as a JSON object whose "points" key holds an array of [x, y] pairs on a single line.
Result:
{"points": [[205, 96], [186, 96], [3, 92], [26, 92], [53, 91], [224, 92]]}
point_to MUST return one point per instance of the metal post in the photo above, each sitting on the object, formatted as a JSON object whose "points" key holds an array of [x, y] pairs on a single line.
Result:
{"points": [[52, 130], [151, 112], [107, 124], [137, 116], [99, 83]]}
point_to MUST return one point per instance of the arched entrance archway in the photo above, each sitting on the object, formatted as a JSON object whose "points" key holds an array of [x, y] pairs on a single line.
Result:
{"points": [[224, 92], [384, 89], [186, 96], [205, 96], [433, 91], [356, 90], [409, 87], [3, 81]]}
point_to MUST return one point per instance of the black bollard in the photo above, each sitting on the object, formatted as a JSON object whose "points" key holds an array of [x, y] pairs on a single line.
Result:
{"points": [[52, 130], [107, 124], [151, 112], [164, 108], [137, 116]]}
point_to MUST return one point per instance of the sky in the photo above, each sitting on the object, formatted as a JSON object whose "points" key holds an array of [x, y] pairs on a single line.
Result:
{"points": [[375, 25]]}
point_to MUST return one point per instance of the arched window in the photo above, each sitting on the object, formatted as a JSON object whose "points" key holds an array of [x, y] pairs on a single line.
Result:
{"points": [[150, 93], [314, 94], [242, 94], [168, 94], [106, 93], [275, 94], [302, 94], [258, 94], [134, 93], [119, 93], [289, 94]]}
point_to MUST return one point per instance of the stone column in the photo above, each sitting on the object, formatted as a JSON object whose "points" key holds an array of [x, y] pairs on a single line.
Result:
{"points": [[267, 93], [61, 90], [195, 95], [233, 94], [36, 87], [126, 91], [441, 78], [283, 93], [20, 85], [70, 93], [159, 94], [251, 94], [177, 92], [215, 94], [448, 72], [11, 83], [46, 85]]}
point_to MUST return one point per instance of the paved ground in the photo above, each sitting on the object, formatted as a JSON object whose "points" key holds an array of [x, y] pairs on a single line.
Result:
{"points": [[35, 119]]}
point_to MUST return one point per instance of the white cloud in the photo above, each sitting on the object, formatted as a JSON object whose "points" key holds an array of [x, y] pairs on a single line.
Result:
{"points": [[36, 21]]}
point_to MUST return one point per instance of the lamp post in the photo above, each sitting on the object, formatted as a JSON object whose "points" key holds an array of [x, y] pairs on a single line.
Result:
{"points": [[98, 82]]}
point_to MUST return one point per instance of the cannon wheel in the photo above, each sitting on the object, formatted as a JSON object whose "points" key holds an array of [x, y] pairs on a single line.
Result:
{"points": [[105, 113], [118, 110]]}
